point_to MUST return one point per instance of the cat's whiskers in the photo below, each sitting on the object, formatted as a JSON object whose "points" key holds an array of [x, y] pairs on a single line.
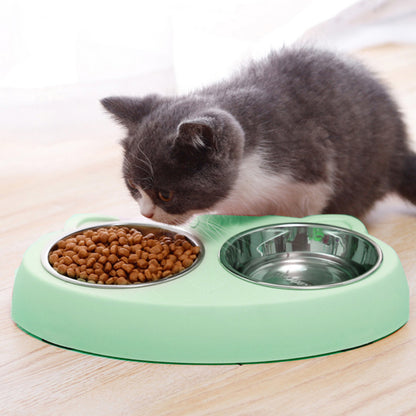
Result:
{"points": [[146, 160], [213, 230], [143, 165]]}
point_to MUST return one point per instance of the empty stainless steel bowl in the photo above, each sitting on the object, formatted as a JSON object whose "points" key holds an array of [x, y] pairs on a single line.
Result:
{"points": [[301, 256]]}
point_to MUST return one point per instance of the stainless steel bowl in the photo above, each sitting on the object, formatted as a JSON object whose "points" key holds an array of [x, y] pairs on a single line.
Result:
{"points": [[301, 256], [144, 229]]}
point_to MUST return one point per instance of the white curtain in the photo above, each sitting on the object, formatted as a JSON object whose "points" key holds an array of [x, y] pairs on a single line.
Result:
{"points": [[76, 52]]}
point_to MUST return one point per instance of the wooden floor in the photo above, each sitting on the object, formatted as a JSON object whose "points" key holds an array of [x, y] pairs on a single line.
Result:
{"points": [[42, 183]]}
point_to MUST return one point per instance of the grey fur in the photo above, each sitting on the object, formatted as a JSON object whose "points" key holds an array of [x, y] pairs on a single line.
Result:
{"points": [[305, 109]]}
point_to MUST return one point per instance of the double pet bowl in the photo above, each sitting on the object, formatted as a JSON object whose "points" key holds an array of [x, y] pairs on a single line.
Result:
{"points": [[262, 289]]}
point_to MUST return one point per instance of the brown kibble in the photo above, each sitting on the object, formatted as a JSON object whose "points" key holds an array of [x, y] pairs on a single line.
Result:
{"points": [[122, 251], [156, 249], [70, 245], [182, 257], [62, 269], [168, 265], [137, 238], [95, 238], [67, 260], [107, 267], [118, 265], [121, 255], [142, 263], [134, 276], [151, 243], [112, 237], [53, 258], [187, 262], [112, 258], [177, 267], [122, 281], [178, 252], [121, 273], [91, 261], [152, 268], [127, 267], [70, 272], [144, 255], [148, 274], [186, 245], [93, 277], [61, 244], [83, 275], [88, 242], [95, 256], [103, 277], [103, 236], [91, 247], [133, 258]]}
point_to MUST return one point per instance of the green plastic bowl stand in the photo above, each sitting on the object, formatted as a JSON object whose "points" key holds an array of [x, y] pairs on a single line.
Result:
{"points": [[210, 316]]}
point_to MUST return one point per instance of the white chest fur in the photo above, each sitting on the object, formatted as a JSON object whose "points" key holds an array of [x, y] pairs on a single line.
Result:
{"points": [[258, 192]]}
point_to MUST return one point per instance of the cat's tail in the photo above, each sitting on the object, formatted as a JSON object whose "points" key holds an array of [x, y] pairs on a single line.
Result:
{"points": [[407, 185]]}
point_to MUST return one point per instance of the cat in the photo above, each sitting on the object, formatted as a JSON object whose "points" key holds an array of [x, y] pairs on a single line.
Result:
{"points": [[303, 131]]}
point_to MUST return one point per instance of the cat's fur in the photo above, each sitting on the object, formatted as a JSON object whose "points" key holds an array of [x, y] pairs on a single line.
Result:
{"points": [[301, 132]]}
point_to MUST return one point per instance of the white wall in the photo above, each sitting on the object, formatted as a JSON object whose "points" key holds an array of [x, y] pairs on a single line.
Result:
{"points": [[59, 58]]}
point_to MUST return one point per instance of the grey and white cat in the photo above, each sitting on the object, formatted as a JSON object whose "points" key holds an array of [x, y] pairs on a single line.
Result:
{"points": [[301, 132]]}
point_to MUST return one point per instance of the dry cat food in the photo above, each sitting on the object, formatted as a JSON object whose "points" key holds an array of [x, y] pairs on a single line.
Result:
{"points": [[121, 255]]}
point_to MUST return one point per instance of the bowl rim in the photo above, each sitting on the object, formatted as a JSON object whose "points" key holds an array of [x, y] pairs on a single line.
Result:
{"points": [[241, 234], [161, 227]]}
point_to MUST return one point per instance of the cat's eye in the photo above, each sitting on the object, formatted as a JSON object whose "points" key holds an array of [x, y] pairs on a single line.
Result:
{"points": [[165, 196]]}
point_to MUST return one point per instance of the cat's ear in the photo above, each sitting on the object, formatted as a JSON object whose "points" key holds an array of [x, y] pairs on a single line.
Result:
{"points": [[128, 110], [197, 133]]}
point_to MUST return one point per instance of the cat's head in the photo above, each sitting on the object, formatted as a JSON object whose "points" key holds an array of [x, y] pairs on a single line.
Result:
{"points": [[181, 156]]}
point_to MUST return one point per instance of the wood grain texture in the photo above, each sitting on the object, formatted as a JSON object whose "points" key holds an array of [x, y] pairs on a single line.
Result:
{"points": [[44, 183]]}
